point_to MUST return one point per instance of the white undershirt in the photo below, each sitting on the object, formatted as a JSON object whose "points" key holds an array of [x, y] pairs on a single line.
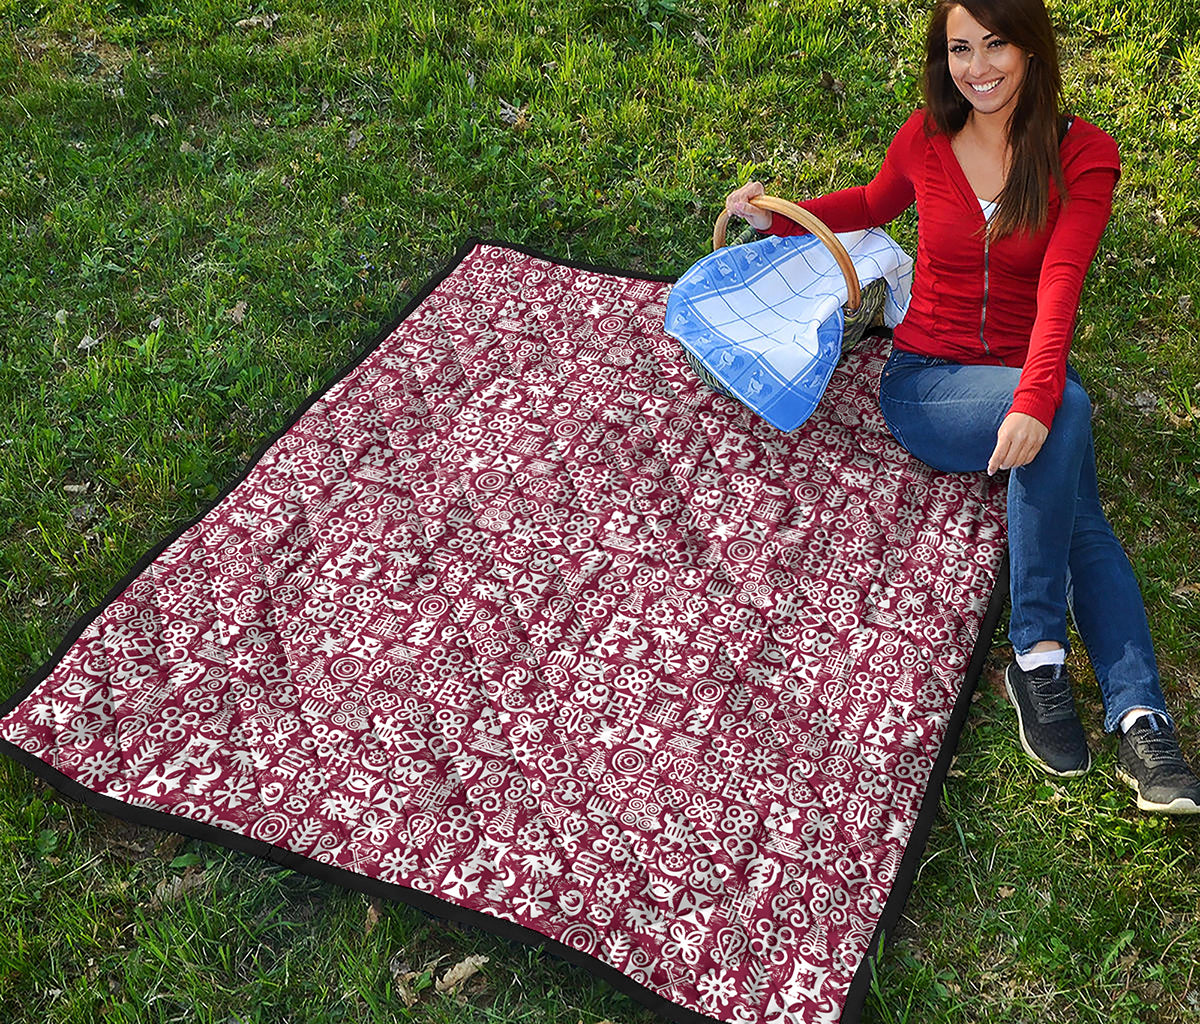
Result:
{"points": [[989, 205]]}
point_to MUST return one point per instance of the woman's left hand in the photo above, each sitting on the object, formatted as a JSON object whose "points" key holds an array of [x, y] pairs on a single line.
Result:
{"points": [[1018, 441]]}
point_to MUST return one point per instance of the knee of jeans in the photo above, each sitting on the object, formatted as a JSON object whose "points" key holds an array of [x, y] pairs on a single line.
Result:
{"points": [[1074, 416]]}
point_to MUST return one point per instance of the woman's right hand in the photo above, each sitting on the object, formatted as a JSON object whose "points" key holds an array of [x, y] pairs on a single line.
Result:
{"points": [[737, 203]]}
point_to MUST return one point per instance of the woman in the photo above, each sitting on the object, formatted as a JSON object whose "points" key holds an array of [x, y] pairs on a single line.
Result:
{"points": [[1012, 198]]}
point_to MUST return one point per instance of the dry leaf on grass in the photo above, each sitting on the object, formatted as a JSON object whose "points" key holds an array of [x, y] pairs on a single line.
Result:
{"points": [[1145, 401], [87, 341], [169, 846], [238, 313], [171, 889], [994, 675], [460, 972], [832, 84], [374, 913], [257, 21], [513, 115], [403, 977], [408, 995]]}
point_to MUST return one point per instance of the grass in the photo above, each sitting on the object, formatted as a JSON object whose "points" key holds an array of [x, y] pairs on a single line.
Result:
{"points": [[199, 223]]}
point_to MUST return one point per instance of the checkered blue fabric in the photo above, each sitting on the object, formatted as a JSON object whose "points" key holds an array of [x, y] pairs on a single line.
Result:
{"points": [[765, 319]]}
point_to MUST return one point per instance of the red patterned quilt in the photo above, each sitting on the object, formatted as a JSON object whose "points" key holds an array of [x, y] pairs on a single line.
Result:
{"points": [[519, 622]]}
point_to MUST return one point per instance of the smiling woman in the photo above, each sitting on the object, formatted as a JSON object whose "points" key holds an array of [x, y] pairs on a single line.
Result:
{"points": [[1012, 198], [990, 71], [981, 61]]}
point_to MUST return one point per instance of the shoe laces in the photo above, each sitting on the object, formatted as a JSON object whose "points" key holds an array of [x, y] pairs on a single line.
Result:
{"points": [[1053, 694], [1158, 748]]}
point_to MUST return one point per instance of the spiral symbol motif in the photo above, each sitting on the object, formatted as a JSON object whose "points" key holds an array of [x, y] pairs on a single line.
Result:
{"points": [[490, 480], [433, 607], [345, 669], [707, 692], [610, 325], [807, 493], [629, 762], [580, 936], [270, 828], [740, 550]]}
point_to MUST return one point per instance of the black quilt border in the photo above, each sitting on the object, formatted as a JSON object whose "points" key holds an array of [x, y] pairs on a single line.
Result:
{"points": [[909, 865]]}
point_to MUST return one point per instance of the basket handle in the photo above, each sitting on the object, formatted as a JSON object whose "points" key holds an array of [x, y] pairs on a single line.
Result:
{"points": [[805, 219]]}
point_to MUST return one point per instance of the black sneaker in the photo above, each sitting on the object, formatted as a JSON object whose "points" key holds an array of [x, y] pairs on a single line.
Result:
{"points": [[1051, 732], [1149, 760]]}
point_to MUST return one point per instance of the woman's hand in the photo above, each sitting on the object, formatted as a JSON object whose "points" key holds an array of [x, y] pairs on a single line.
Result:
{"points": [[737, 203], [1018, 441]]}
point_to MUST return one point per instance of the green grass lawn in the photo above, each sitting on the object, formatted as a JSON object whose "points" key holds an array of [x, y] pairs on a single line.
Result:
{"points": [[200, 220]]}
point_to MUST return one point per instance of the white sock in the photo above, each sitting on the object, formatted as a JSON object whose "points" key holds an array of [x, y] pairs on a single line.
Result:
{"points": [[1028, 662], [1130, 717]]}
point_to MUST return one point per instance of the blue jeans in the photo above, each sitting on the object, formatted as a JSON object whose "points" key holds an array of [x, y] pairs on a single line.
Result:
{"points": [[1062, 550]]}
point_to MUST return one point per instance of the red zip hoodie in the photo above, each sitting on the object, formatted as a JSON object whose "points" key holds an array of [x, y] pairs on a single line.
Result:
{"points": [[1009, 302]]}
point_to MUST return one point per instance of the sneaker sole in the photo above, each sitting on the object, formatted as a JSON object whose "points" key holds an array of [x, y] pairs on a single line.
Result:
{"points": [[1074, 773], [1180, 805]]}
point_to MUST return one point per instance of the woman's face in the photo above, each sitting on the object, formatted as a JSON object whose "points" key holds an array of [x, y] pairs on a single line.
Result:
{"points": [[987, 69]]}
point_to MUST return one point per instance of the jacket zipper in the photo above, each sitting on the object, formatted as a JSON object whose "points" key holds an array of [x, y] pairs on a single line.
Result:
{"points": [[983, 310]]}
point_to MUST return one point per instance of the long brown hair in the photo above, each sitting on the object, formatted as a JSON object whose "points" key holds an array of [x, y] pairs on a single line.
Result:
{"points": [[1036, 124]]}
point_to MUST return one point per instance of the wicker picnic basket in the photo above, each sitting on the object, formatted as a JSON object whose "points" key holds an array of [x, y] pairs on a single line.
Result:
{"points": [[862, 309]]}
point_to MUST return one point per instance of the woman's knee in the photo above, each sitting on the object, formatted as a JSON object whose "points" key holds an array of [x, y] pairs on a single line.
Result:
{"points": [[1073, 420], [1070, 437]]}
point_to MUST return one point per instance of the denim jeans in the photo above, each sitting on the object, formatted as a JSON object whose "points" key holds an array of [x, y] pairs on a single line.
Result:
{"points": [[1062, 551]]}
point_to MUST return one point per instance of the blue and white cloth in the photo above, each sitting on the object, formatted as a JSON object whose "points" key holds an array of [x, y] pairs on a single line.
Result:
{"points": [[765, 319]]}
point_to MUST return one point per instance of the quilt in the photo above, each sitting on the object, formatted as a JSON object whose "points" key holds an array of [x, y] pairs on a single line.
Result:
{"points": [[519, 622]]}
